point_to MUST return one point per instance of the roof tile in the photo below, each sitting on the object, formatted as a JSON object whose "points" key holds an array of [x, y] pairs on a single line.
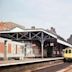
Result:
{"points": [[4, 26]]}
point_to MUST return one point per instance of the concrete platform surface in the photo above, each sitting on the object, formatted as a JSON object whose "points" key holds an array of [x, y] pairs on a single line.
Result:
{"points": [[26, 61]]}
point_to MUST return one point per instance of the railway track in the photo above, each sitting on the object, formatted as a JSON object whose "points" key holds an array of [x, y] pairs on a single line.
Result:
{"points": [[64, 67], [30, 67]]}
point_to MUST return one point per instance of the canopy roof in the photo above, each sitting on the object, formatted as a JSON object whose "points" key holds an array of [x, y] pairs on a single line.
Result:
{"points": [[9, 27]]}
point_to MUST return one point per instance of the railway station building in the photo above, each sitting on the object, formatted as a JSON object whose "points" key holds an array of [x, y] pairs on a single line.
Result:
{"points": [[18, 42]]}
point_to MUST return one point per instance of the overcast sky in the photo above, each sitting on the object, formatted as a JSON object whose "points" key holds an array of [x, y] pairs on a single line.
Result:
{"points": [[39, 13]]}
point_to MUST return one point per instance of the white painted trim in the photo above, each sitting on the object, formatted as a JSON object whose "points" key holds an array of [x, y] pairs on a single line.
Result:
{"points": [[64, 43], [15, 55], [17, 29]]}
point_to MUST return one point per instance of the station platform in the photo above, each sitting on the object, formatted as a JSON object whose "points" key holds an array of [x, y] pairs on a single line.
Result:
{"points": [[27, 61]]}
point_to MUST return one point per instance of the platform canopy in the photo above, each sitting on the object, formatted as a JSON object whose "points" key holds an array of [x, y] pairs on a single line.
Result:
{"points": [[9, 27]]}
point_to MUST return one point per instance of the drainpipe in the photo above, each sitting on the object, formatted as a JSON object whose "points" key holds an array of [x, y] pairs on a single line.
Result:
{"points": [[5, 50]]}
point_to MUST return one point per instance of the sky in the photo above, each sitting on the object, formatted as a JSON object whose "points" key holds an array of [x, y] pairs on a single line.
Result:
{"points": [[39, 13]]}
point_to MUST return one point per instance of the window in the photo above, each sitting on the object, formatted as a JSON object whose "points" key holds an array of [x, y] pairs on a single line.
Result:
{"points": [[69, 51], [66, 51], [5, 42]]}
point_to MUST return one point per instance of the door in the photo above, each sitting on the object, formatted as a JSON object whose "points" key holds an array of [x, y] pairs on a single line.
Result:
{"points": [[49, 51]]}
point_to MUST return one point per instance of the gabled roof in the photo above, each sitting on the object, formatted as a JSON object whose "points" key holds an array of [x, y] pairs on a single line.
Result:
{"points": [[7, 26]]}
